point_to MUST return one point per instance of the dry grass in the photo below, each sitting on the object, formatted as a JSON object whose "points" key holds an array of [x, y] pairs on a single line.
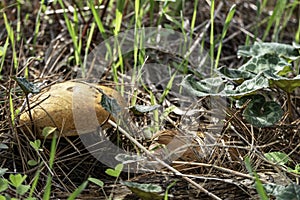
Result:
{"points": [[221, 171]]}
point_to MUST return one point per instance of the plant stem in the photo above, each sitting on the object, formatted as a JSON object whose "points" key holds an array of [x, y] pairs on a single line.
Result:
{"points": [[29, 110], [289, 104]]}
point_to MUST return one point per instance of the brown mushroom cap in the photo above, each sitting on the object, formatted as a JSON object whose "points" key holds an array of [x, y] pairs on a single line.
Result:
{"points": [[72, 107], [173, 145]]}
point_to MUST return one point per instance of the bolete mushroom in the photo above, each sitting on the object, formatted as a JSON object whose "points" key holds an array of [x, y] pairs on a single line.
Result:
{"points": [[173, 145], [72, 107]]}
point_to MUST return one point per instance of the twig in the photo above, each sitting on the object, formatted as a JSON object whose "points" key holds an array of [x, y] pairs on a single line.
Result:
{"points": [[219, 168], [29, 111]]}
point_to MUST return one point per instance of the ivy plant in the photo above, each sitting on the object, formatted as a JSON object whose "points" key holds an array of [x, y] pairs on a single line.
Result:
{"points": [[268, 65], [281, 192]]}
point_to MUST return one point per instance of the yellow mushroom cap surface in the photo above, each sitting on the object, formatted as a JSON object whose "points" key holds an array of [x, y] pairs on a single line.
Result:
{"points": [[72, 107]]}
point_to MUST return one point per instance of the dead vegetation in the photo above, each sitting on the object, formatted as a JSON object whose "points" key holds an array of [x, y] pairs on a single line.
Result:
{"points": [[47, 57]]}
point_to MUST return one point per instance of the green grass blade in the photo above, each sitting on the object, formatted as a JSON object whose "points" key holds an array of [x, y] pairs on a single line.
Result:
{"points": [[97, 19], [259, 187], [224, 31], [297, 35], [100, 28], [167, 89], [155, 112], [194, 17], [258, 15], [11, 36], [19, 20], [11, 108], [136, 39], [72, 31], [34, 183], [289, 14], [168, 188], [4, 51], [211, 40], [116, 77], [164, 10], [263, 4], [152, 6], [279, 26], [47, 192], [38, 21], [88, 44], [119, 16], [52, 151], [137, 14], [275, 18], [78, 191]]}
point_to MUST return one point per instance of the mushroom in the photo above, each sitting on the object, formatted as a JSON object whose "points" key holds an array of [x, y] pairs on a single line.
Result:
{"points": [[174, 145], [72, 107]]}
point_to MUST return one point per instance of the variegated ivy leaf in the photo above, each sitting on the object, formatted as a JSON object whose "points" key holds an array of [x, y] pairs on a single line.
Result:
{"points": [[206, 87], [262, 113], [218, 87], [141, 109], [296, 45], [292, 191], [242, 101], [262, 48], [235, 75], [249, 86], [270, 62], [110, 105], [126, 158], [26, 86], [286, 84], [145, 191], [273, 189]]}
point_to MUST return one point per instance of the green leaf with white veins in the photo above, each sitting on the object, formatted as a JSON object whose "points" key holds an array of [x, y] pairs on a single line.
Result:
{"points": [[208, 87], [145, 191], [282, 192], [241, 102], [26, 86], [249, 86], [141, 109], [259, 49], [234, 74], [262, 113], [110, 105], [292, 191], [286, 84], [219, 87], [265, 62]]}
